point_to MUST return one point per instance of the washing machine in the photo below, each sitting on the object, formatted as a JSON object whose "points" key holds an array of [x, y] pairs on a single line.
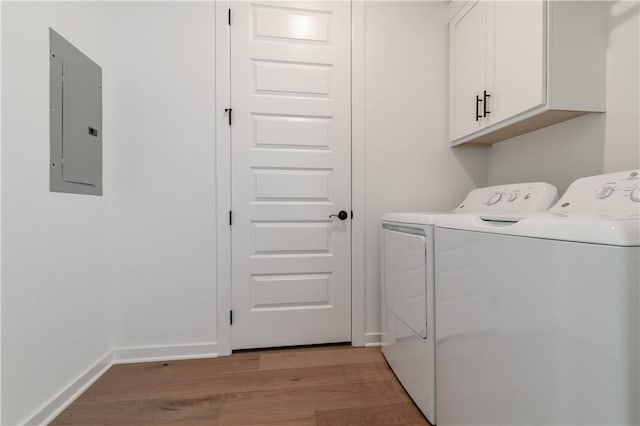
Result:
{"points": [[537, 317], [407, 251]]}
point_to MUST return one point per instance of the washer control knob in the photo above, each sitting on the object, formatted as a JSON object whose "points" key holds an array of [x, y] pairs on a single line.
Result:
{"points": [[635, 194], [604, 192], [494, 198], [513, 196]]}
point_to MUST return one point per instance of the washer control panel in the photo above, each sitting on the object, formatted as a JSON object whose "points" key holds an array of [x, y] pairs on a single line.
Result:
{"points": [[509, 199], [610, 195]]}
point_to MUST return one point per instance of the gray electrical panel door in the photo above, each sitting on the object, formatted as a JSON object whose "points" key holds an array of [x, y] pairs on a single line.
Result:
{"points": [[75, 119]]}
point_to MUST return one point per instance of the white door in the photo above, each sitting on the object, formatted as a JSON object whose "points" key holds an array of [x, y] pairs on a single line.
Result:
{"points": [[468, 58], [518, 51], [291, 159]]}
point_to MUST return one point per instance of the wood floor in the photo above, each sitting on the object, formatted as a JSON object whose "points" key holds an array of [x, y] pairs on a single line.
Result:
{"points": [[328, 385]]}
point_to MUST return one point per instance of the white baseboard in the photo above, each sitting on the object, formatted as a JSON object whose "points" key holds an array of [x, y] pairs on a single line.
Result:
{"points": [[164, 353], [54, 407], [372, 339]]}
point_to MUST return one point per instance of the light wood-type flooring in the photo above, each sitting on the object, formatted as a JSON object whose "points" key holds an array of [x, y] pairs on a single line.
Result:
{"points": [[325, 385]]}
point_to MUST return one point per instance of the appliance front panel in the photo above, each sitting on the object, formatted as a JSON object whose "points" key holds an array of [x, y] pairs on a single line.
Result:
{"points": [[412, 359], [535, 331], [405, 277]]}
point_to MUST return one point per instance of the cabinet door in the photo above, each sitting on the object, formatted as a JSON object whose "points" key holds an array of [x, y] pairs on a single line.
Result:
{"points": [[467, 53], [517, 65]]}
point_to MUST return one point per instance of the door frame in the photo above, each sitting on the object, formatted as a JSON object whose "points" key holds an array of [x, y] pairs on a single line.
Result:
{"points": [[223, 182]]}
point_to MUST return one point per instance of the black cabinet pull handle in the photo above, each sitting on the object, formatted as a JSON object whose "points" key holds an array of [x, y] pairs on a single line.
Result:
{"points": [[486, 95], [229, 111], [478, 100], [342, 215]]}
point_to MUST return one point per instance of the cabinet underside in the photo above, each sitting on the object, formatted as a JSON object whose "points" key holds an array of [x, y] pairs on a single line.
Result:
{"points": [[506, 130]]}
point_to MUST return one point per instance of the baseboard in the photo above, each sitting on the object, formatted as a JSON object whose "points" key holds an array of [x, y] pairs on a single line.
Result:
{"points": [[164, 353], [50, 411], [372, 339]]}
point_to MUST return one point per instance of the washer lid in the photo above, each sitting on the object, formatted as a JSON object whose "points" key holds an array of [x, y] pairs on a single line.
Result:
{"points": [[584, 229]]}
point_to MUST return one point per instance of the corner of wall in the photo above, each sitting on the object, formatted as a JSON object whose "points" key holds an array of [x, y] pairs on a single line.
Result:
{"points": [[49, 411]]}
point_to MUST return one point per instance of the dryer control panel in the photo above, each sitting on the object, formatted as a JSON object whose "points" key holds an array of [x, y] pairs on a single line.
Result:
{"points": [[510, 199], [614, 195]]}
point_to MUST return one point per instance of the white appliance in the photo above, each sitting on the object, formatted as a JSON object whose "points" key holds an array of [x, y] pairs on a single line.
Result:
{"points": [[408, 341], [537, 317]]}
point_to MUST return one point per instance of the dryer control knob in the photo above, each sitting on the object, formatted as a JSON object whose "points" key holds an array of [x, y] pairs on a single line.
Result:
{"points": [[494, 198], [635, 194], [604, 192], [513, 196]]}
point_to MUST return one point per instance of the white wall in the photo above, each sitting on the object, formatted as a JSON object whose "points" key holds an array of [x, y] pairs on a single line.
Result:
{"points": [[164, 187], [622, 132], [591, 144], [55, 247], [158, 94], [409, 165]]}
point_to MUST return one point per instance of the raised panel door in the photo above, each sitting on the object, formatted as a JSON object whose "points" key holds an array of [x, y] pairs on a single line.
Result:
{"points": [[291, 169]]}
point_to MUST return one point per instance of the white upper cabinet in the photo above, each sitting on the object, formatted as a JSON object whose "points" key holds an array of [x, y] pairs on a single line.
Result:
{"points": [[468, 66], [518, 77], [517, 66]]}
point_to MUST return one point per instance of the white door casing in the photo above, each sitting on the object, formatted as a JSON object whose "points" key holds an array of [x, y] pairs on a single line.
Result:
{"points": [[290, 170]]}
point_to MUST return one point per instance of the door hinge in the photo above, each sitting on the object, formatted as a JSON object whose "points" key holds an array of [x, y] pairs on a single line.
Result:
{"points": [[230, 218], [228, 111], [231, 317], [229, 16]]}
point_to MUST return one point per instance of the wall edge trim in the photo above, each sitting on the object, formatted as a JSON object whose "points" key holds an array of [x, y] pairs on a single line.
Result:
{"points": [[70, 393], [164, 353], [373, 339]]}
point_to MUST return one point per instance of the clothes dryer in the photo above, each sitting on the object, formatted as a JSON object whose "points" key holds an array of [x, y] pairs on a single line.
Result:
{"points": [[408, 338], [537, 317]]}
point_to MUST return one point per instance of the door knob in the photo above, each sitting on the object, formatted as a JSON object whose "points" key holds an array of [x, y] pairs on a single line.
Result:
{"points": [[342, 215]]}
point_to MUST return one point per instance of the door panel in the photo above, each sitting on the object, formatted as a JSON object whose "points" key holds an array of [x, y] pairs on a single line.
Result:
{"points": [[518, 58], [405, 275], [467, 34], [291, 140]]}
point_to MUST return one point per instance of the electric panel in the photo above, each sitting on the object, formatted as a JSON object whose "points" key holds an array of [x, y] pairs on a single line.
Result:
{"points": [[75, 119]]}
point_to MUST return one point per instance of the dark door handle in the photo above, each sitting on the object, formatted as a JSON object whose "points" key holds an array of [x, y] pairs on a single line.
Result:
{"points": [[342, 215], [478, 100], [486, 95]]}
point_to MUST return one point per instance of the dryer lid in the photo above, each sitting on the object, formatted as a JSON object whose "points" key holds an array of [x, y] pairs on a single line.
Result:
{"points": [[514, 198]]}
